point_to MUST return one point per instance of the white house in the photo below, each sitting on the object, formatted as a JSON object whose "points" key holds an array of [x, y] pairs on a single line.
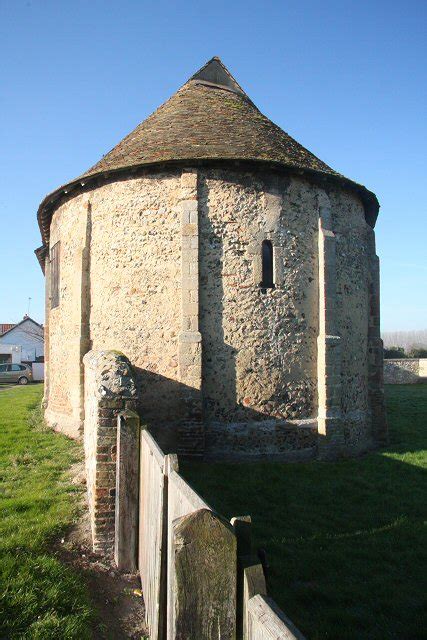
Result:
{"points": [[29, 336], [10, 353]]}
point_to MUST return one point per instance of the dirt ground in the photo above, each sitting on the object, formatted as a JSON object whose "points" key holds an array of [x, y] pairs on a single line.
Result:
{"points": [[116, 597]]}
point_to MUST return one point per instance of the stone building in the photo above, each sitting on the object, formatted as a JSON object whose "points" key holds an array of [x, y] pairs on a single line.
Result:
{"points": [[234, 269]]}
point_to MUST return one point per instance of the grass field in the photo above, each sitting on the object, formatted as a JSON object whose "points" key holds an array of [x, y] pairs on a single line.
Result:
{"points": [[40, 599], [346, 541]]}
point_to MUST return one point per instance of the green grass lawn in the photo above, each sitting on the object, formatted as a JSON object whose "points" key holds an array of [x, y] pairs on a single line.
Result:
{"points": [[346, 541], [40, 599]]}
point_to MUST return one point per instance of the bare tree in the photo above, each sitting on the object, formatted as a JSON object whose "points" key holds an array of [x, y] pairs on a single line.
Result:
{"points": [[406, 339]]}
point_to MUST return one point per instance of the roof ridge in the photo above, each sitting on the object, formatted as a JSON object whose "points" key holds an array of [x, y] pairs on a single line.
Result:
{"points": [[215, 72]]}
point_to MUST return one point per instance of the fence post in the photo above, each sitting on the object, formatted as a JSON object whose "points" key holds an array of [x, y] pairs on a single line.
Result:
{"points": [[170, 464], [127, 488], [203, 589], [253, 584], [250, 574], [242, 526]]}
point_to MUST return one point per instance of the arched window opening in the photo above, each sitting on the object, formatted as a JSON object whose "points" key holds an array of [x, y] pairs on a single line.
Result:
{"points": [[267, 265]]}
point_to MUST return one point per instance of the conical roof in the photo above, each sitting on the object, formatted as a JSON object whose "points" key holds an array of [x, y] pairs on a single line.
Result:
{"points": [[209, 118]]}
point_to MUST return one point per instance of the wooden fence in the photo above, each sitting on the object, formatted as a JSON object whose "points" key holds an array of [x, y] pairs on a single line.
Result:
{"points": [[199, 577], [267, 622], [152, 532]]}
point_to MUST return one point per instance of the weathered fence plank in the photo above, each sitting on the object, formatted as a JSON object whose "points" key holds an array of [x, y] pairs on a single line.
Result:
{"points": [[267, 622], [152, 534], [203, 578], [182, 500], [242, 526], [253, 584], [126, 507]]}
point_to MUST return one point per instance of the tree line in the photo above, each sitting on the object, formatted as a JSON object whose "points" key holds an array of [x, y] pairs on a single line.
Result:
{"points": [[399, 352]]}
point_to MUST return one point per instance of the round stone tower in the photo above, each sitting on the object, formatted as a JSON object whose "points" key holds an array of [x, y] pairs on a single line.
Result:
{"points": [[234, 269]]}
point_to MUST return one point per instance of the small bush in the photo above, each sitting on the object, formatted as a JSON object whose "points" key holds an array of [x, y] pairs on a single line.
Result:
{"points": [[418, 352], [394, 352]]}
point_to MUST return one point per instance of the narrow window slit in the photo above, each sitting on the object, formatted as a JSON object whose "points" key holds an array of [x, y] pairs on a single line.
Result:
{"points": [[267, 266]]}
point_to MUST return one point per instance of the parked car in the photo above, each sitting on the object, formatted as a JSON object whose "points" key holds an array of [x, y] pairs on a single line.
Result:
{"points": [[20, 373]]}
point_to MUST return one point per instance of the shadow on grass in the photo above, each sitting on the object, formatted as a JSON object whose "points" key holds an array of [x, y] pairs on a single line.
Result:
{"points": [[345, 541]]}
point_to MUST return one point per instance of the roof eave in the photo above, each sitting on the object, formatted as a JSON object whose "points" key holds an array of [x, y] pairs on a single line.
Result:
{"points": [[50, 202], [41, 255]]}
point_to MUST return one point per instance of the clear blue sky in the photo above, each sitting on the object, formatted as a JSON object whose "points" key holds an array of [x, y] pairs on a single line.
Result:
{"points": [[346, 79]]}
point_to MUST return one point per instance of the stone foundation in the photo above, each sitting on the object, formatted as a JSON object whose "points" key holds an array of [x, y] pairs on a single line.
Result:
{"points": [[292, 441], [63, 422]]}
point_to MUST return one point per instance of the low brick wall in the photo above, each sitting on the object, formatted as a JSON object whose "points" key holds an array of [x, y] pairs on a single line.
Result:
{"points": [[405, 370], [109, 389]]}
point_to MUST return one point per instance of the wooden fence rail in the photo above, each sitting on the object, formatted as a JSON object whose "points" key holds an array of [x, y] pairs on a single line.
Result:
{"points": [[267, 622]]}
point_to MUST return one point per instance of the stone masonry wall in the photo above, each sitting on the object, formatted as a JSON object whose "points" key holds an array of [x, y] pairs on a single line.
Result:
{"points": [[379, 428], [136, 283], [258, 350], [134, 274], [109, 389], [404, 370], [352, 309], [64, 326]]}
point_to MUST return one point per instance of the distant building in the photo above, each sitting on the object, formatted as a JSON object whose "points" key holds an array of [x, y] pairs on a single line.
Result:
{"points": [[10, 353], [5, 327], [28, 336]]}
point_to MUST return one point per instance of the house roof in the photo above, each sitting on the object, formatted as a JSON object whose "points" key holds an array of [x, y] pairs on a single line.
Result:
{"points": [[210, 118], [24, 319], [5, 327]]}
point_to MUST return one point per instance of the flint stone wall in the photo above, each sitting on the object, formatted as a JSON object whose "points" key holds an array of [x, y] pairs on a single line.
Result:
{"points": [[292, 441], [109, 389], [65, 341], [258, 350], [352, 316], [405, 370]]}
